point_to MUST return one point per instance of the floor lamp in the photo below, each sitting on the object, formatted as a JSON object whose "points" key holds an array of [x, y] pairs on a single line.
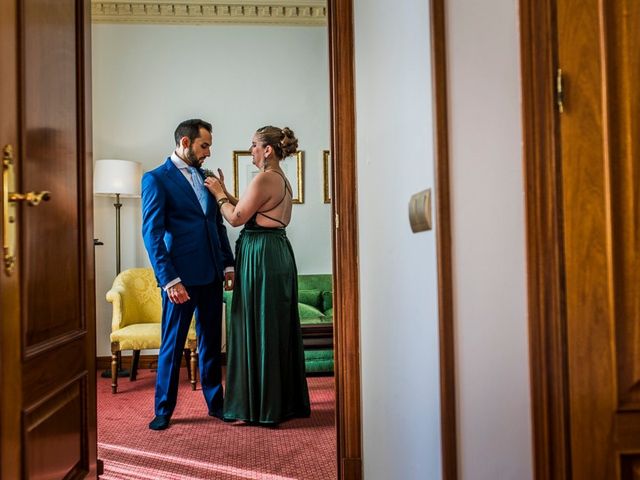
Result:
{"points": [[117, 178]]}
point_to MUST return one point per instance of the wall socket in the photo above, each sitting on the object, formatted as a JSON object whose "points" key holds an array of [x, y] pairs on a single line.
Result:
{"points": [[420, 211]]}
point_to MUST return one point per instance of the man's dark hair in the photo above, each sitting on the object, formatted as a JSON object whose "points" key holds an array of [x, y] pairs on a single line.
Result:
{"points": [[191, 129]]}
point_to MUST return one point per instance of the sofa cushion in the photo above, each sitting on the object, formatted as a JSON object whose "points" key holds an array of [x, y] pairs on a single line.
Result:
{"points": [[327, 301], [309, 314], [311, 297], [329, 314]]}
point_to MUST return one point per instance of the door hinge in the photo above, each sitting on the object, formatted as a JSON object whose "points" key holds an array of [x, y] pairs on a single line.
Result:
{"points": [[337, 221], [560, 90]]}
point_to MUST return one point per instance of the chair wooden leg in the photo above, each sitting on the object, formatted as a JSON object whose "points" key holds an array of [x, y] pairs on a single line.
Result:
{"points": [[114, 373], [134, 365], [187, 361], [194, 365], [115, 349]]}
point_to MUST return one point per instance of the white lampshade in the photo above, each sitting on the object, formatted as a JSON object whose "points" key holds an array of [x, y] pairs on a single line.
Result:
{"points": [[111, 177]]}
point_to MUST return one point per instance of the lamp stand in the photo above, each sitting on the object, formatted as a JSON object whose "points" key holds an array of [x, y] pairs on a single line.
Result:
{"points": [[121, 372], [118, 206]]}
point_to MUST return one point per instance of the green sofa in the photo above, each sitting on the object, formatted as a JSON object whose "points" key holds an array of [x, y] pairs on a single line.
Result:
{"points": [[315, 305]]}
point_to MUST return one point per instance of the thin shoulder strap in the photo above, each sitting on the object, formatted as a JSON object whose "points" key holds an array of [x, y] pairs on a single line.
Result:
{"points": [[284, 179], [286, 189], [271, 218]]}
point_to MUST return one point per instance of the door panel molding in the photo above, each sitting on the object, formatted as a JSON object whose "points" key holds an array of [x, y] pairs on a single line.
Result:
{"points": [[622, 100], [32, 351], [59, 413]]}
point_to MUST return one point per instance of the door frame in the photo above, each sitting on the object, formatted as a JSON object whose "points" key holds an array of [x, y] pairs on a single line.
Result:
{"points": [[545, 265], [345, 240], [346, 320], [439, 75], [340, 26]]}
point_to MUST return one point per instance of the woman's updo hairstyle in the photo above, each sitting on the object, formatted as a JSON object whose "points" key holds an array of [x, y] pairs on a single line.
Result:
{"points": [[282, 140]]}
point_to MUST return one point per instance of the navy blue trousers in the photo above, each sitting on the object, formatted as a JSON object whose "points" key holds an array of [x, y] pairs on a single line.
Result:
{"points": [[206, 302]]}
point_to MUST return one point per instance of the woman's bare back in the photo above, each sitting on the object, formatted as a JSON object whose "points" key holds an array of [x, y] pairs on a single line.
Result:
{"points": [[275, 212]]}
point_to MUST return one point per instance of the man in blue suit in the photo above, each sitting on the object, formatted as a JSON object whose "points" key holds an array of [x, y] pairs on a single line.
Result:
{"points": [[189, 250]]}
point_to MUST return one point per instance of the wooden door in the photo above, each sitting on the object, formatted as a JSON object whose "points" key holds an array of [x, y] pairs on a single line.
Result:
{"points": [[583, 177], [47, 324], [599, 135]]}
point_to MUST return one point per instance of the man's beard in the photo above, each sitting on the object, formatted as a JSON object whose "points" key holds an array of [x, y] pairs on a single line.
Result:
{"points": [[193, 159]]}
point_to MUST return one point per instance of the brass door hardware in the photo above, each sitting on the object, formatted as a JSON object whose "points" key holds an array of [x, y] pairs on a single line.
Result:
{"points": [[33, 199], [560, 90], [9, 200]]}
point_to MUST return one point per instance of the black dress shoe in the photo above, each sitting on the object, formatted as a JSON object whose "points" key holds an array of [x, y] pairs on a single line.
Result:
{"points": [[160, 422], [216, 413]]}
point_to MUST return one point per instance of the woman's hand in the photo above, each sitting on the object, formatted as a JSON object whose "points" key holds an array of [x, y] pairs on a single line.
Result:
{"points": [[220, 178], [215, 187]]}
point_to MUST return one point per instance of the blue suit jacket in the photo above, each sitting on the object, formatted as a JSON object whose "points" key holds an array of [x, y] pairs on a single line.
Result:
{"points": [[181, 240]]}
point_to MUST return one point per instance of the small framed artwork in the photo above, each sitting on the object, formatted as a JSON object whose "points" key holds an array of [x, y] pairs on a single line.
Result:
{"points": [[244, 171], [293, 168], [326, 175]]}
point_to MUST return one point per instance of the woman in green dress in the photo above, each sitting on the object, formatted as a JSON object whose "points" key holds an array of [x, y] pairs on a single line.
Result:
{"points": [[265, 382]]}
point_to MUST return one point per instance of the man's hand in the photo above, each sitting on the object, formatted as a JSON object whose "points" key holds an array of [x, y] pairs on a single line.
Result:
{"points": [[229, 278], [177, 293]]}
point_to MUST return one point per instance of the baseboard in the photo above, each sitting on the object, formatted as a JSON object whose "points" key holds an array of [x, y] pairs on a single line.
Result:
{"points": [[151, 362], [146, 361]]}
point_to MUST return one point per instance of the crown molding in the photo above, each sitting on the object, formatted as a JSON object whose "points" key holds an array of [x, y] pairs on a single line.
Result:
{"points": [[271, 12]]}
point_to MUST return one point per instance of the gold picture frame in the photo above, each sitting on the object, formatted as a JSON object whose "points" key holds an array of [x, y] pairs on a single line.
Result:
{"points": [[244, 170], [326, 175]]}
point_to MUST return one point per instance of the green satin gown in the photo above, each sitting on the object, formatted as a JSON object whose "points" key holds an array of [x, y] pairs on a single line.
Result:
{"points": [[266, 381]]}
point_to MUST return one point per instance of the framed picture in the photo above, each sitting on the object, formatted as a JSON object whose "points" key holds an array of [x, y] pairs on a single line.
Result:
{"points": [[326, 175], [244, 171]]}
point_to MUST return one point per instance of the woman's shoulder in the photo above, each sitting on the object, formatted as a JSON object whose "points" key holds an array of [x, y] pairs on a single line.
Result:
{"points": [[270, 177], [261, 179]]}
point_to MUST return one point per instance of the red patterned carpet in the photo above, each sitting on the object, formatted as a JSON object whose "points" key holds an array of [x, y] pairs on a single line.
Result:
{"points": [[197, 446]]}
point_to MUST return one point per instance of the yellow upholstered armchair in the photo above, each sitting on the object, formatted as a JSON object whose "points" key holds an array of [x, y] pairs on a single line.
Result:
{"points": [[136, 318]]}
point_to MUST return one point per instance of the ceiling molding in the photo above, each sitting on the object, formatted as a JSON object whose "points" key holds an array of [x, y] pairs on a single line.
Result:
{"points": [[271, 12]]}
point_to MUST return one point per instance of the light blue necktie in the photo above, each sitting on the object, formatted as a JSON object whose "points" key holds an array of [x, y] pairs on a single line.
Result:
{"points": [[199, 188]]}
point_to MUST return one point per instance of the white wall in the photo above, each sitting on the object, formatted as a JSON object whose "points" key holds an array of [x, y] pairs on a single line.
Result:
{"points": [[148, 78], [398, 291], [488, 241]]}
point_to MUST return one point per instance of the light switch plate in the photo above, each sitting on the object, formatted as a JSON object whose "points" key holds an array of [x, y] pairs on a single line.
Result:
{"points": [[420, 211]]}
